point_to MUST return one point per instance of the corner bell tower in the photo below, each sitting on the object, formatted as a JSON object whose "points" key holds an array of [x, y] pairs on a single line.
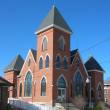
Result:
{"points": [[53, 29]]}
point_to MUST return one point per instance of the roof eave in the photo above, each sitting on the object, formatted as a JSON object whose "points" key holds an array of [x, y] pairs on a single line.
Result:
{"points": [[11, 70], [55, 26], [96, 70]]}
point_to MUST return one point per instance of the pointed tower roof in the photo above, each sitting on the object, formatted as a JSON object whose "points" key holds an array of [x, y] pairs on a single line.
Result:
{"points": [[15, 65], [92, 64], [54, 19]]}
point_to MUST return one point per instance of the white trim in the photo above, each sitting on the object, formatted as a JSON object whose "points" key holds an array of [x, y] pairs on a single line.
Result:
{"points": [[47, 55], [95, 71], [26, 61], [83, 64], [53, 25], [49, 61], [40, 57], [42, 62], [106, 84], [44, 36], [42, 43], [33, 56], [76, 72], [63, 78], [62, 37], [42, 78], [74, 58], [29, 70], [99, 84]]}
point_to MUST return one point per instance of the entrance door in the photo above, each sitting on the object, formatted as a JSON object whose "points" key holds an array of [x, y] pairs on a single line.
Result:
{"points": [[61, 94]]}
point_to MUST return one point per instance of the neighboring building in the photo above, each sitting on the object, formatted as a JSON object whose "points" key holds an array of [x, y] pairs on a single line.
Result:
{"points": [[53, 73], [4, 94], [107, 92], [12, 71]]}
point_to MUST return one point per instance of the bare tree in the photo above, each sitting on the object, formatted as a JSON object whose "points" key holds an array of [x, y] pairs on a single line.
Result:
{"points": [[79, 102], [101, 105]]}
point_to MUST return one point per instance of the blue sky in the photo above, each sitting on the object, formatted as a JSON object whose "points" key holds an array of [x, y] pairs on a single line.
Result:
{"points": [[89, 20]]}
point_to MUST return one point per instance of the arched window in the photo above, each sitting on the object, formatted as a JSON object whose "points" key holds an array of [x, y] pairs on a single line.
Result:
{"points": [[47, 62], [20, 90], [40, 63], [43, 87], [92, 93], [99, 91], [78, 81], [58, 62], [28, 85], [44, 44], [61, 43], [61, 83], [65, 63]]}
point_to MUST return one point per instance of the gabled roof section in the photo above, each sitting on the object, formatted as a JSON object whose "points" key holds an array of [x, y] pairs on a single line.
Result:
{"points": [[34, 52], [54, 19], [4, 82], [92, 64], [73, 52], [15, 65]]}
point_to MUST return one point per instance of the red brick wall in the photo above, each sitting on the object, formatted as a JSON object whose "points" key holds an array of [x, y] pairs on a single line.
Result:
{"points": [[47, 72], [97, 77], [11, 76], [52, 74], [27, 68]]}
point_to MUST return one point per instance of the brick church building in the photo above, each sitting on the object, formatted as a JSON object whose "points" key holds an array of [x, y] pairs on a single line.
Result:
{"points": [[54, 73]]}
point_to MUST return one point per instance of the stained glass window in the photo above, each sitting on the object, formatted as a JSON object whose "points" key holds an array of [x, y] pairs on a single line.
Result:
{"points": [[43, 87], [47, 62], [58, 62], [20, 91], [61, 83], [78, 84], [99, 91], [61, 43], [65, 63], [44, 44], [28, 85], [41, 63]]}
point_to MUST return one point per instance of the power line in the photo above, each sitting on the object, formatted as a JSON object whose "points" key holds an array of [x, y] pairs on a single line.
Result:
{"points": [[98, 43]]}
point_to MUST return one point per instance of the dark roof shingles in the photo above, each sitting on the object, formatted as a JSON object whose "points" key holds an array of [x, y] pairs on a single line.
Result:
{"points": [[92, 64], [54, 18], [15, 65]]}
